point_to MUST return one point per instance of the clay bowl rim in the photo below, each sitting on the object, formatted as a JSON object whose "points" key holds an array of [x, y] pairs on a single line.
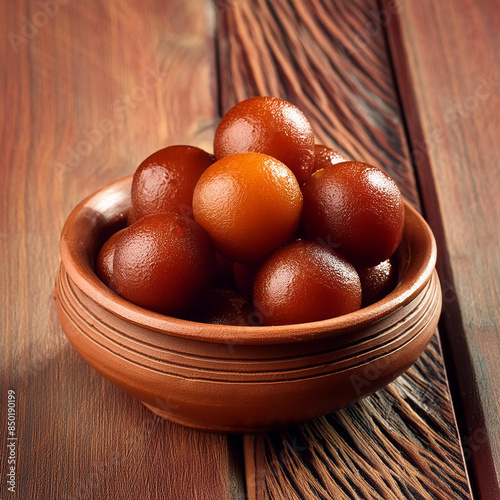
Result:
{"points": [[76, 261]]}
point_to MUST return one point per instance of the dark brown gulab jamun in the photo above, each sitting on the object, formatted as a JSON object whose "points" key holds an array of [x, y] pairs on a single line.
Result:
{"points": [[355, 208], [163, 262], [104, 262], [305, 281], [325, 156], [271, 126], [225, 307], [165, 181], [377, 281]]}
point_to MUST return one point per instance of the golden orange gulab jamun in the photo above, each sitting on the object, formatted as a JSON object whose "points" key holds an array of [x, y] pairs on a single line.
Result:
{"points": [[249, 204]]}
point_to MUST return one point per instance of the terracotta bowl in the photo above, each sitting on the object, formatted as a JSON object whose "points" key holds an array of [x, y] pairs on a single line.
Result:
{"points": [[237, 379]]}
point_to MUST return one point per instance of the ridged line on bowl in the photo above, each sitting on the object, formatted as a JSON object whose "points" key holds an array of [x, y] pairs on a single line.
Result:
{"points": [[137, 337], [326, 357]]}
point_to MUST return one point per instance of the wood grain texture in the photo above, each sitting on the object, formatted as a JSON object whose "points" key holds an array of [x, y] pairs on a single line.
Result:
{"points": [[331, 60], [87, 94], [394, 444], [448, 66], [320, 56]]}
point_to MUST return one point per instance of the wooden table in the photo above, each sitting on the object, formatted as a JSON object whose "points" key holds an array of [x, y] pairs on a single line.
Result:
{"points": [[91, 88]]}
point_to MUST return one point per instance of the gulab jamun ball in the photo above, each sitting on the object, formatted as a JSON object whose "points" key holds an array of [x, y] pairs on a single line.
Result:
{"points": [[377, 281], [165, 181], [305, 281], [104, 262], [355, 208], [163, 262], [325, 157], [225, 307], [249, 204], [271, 218], [270, 126]]}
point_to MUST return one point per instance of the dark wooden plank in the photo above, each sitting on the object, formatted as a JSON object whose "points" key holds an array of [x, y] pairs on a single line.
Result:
{"points": [[87, 93], [331, 59], [448, 68], [392, 445], [319, 55]]}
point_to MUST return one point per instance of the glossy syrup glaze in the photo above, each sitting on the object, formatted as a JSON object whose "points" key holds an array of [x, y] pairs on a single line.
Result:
{"points": [[165, 180], [355, 208], [271, 126], [163, 262], [325, 156], [249, 204], [305, 281]]}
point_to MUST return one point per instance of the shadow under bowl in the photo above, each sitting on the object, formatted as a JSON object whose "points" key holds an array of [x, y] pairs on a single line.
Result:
{"points": [[240, 379]]}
